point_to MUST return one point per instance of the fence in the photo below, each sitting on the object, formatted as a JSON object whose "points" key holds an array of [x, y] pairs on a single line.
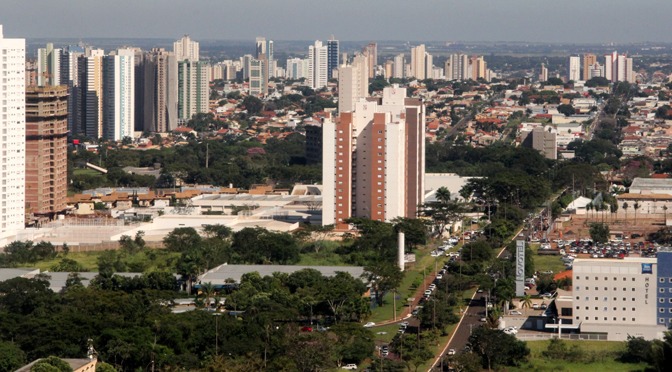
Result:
{"points": [[564, 336]]}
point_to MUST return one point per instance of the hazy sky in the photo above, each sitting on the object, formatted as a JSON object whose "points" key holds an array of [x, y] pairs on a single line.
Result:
{"points": [[579, 21]]}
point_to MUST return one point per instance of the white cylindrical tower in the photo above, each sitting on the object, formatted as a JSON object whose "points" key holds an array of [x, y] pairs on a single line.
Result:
{"points": [[401, 242]]}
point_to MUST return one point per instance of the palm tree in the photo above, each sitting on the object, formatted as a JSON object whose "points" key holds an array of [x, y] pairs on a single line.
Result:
{"points": [[636, 206], [443, 194], [625, 208], [208, 291], [589, 207], [526, 302]]}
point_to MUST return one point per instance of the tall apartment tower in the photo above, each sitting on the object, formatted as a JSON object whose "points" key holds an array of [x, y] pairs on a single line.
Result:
{"points": [[70, 77], [399, 65], [48, 66], [543, 74], [119, 95], [333, 56], [259, 76], [46, 150], [373, 159], [192, 89], [156, 100], [317, 65], [91, 80], [574, 68], [479, 68], [371, 51], [588, 61], [353, 83], [13, 139], [418, 63], [185, 48]]}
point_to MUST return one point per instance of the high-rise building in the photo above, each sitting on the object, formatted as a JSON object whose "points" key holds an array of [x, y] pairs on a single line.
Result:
{"points": [[13, 139], [46, 150], [371, 52], [192, 89], [185, 48], [297, 68], [353, 83], [588, 60], [333, 56], [629, 73], [418, 62], [156, 96], [70, 77], [317, 68], [48, 66], [543, 74], [90, 68], [259, 76], [574, 68], [399, 66], [373, 159], [119, 95], [479, 68]]}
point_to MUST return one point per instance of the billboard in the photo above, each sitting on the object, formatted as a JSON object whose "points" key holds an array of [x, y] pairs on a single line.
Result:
{"points": [[520, 268]]}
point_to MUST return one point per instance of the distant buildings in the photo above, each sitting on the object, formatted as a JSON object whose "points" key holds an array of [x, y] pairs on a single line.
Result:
{"points": [[543, 73], [353, 83], [193, 90], [13, 139], [185, 48], [374, 159], [333, 57], [156, 96], [119, 95], [419, 62], [589, 60], [371, 52]]}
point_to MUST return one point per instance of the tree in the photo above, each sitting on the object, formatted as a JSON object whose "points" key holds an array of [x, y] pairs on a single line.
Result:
{"points": [[625, 209], [497, 348], [415, 231], [636, 206], [182, 239], [567, 110], [599, 232], [526, 302], [11, 357], [665, 211], [383, 277], [51, 364], [253, 105]]}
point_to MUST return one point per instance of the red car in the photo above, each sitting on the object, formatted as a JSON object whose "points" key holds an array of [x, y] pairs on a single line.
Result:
{"points": [[306, 329]]}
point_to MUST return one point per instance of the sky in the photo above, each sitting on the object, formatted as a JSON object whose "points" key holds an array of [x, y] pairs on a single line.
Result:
{"points": [[559, 21]]}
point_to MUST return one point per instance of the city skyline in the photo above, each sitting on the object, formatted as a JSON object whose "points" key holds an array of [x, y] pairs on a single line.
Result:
{"points": [[512, 21]]}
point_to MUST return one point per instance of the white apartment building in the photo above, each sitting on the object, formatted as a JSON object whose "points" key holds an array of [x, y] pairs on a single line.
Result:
{"points": [[193, 90], [13, 139], [575, 68], [185, 48], [119, 95], [318, 62], [399, 64], [617, 297], [297, 68], [419, 62], [353, 83], [92, 84], [48, 66]]}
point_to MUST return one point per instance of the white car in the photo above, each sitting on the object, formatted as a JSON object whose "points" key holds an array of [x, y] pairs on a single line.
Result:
{"points": [[515, 312], [451, 351], [369, 325], [352, 367], [428, 293], [435, 253], [439, 276]]}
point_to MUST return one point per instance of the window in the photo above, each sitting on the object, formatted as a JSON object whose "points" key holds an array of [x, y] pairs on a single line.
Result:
{"points": [[605, 318], [633, 319], [661, 300], [633, 309], [633, 279], [661, 310], [662, 290], [661, 320], [661, 280]]}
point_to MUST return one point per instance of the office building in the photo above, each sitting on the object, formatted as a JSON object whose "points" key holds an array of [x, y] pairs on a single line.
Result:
{"points": [[457, 67], [588, 61], [373, 159], [13, 139], [418, 62], [353, 83], [317, 65], [119, 95], [297, 68], [186, 49], [46, 151], [333, 57], [156, 92], [313, 142], [193, 90], [90, 68], [48, 66], [574, 68]]}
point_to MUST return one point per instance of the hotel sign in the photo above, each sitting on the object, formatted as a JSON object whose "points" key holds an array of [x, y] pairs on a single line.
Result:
{"points": [[647, 268], [520, 268]]}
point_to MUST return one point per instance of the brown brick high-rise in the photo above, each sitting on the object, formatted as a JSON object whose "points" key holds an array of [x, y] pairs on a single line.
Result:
{"points": [[46, 150]]}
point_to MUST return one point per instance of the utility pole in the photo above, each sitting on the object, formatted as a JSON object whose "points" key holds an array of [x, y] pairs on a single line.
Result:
{"points": [[394, 303], [207, 154]]}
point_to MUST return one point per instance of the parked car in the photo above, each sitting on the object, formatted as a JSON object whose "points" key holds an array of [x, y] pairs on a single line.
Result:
{"points": [[535, 306], [515, 312], [428, 292], [451, 351], [369, 325], [306, 329], [351, 366]]}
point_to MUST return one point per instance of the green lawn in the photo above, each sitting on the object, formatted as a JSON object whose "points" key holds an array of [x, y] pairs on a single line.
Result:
{"points": [[546, 262], [85, 172], [148, 260], [602, 353]]}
